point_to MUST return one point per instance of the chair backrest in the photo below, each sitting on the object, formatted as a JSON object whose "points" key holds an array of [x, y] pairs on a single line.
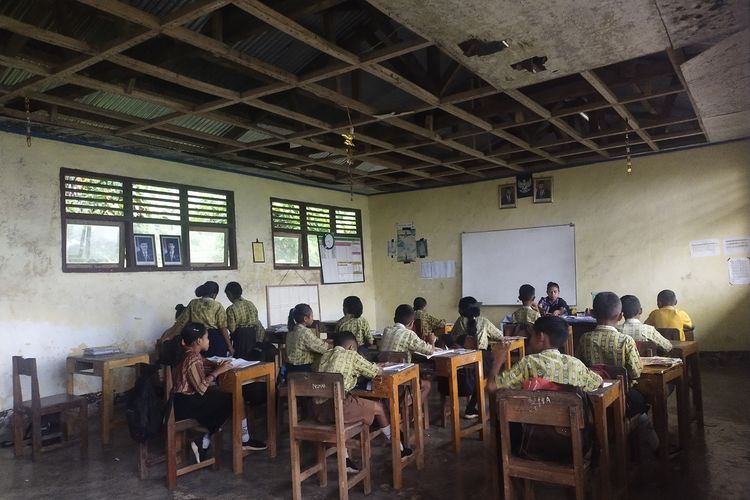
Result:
{"points": [[470, 342], [417, 328], [518, 329], [646, 348], [316, 385], [553, 408], [669, 333], [27, 367], [689, 333], [391, 357], [315, 327]]}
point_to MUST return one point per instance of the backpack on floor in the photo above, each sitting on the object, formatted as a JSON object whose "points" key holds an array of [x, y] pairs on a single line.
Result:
{"points": [[145, 411]]}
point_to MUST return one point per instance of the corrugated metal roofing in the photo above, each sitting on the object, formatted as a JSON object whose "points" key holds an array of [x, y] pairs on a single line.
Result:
{"points": [[126, 105], [252, 136], [204, 125], [159, 7], [13, 76]]}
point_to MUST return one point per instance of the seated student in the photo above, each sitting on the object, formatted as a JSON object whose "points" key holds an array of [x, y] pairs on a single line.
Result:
{"points": [[668, 316], [242, 313], [546, 361], [194, 399], [631, 311], [302, 345], [345, 359], [169, 345], [553, 304], [472, 323], [529, 312], [400, 338], [207, 311], [354, 322], [429, 323]]}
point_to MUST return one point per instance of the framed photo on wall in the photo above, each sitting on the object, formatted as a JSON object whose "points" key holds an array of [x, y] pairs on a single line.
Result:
{"points": [[507, 195], [144, 246], [543, 190], [259, 253], [171, 250]]}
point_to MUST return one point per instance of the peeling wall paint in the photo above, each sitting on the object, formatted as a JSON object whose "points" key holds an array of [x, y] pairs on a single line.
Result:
{"points": [[632, 235], [48, 314]]}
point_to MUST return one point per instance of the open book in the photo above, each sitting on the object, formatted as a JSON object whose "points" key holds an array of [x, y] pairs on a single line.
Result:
{"points": [[237, 363], [660, 361], [444, 352], [396, 367]]}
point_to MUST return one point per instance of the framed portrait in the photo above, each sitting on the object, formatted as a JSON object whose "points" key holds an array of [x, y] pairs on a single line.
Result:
{"points": [[543, 190], [507, 195], [171, 250], [259, 253], [144, 246]]}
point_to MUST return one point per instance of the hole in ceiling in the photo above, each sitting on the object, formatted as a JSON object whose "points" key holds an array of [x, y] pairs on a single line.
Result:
{"points": [[532, 64], [474, 47]]}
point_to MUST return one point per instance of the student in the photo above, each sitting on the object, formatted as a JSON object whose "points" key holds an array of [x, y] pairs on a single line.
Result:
{"points": [[242, 313], [345, 359], [668, 316], [302, 345], [210, 313], [400, 338], [631, 311], [472, 323], [529, 312], [546, 361], [429, 323], [553, 304], [354, 322], [192, 397]]}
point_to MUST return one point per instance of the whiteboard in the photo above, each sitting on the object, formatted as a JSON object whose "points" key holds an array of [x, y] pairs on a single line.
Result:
{"points": [[280, 299], [343, 263], [496, 263]]}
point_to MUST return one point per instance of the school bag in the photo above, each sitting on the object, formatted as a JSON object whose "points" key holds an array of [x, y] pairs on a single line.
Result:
{"points": [[146, 411]]}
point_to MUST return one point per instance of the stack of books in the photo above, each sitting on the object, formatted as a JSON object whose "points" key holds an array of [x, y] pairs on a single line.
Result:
{"points": [[101, 351]]}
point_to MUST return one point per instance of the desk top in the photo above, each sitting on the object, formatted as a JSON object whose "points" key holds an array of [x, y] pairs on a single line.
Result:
{"points": [[604, 392], [686, 347], [659, 369], [109, 357]]}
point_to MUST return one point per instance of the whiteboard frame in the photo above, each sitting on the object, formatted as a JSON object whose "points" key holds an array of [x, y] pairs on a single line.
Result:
{"points": [[268, 301], [575, 255]]}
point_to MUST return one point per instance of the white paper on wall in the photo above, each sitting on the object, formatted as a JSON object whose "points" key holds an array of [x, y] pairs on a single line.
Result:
{"points": [[438, 269], [737, 245], [739, 271], [705, 248]]}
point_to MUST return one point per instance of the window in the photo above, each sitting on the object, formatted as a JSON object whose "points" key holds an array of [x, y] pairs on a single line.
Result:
{"points": [[174, 226], [298, 226]]}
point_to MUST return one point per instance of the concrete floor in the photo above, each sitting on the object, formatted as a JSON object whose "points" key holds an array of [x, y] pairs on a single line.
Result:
{"points": [[716, 466]]}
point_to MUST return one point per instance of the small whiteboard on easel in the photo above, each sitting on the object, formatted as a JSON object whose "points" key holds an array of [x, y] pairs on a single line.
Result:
{"points": [[280, 299]]}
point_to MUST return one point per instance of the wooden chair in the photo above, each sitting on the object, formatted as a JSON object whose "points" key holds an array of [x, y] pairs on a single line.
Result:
{"points": [[38, 406], [689, 333], [549, 408], [418, 328], [325, 385], [647, 348], [669, 333], [176, 443]]}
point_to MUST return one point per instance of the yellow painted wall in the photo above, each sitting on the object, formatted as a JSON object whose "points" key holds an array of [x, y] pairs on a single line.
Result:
{"points": [[48, 314], [632, 235]]}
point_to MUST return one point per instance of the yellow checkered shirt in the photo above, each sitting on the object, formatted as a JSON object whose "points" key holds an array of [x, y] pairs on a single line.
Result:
{"points": [[429, 323], [645, 333], [243, 313], [358, 326], [350, 364], [398, 338], [607, 346], [485, 330], [302, 345], [525, 314], [206, 311], [551, 365], [670, 317]]}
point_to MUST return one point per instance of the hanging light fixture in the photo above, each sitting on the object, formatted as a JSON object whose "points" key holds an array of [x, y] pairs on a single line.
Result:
{"points": [[628, 161], [349, 146], [27, 105]]}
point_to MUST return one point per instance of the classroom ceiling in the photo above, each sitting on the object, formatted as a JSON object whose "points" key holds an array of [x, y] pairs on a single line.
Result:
{"points": [[438, 92]]}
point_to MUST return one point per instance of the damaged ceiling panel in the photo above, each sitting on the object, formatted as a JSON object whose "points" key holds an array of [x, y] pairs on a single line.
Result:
{"points": [[702, 21]]}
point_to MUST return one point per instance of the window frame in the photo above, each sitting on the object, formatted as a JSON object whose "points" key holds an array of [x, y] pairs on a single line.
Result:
{"points": [[126, 221], [304, 232]]}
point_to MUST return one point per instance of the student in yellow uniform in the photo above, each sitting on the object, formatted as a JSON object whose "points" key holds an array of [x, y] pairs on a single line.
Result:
{"points": [[401, 338], [631, 311], [242, 313], [210, 313], [528, 312], [471, 322], [345, 359], [668, 316], [302, 345], [429, 323], [354, 322]]}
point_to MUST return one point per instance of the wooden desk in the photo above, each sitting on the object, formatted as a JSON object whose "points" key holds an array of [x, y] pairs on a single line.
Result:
{"points": [[653, 385], [386, 387], [688, 351], [514, 344], [447, 365], [605, 397], [232, 382], [102, 366]]}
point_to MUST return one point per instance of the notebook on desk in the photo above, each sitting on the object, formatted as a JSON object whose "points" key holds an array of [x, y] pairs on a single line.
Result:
{"points": [[660, 361], [237, 363]]}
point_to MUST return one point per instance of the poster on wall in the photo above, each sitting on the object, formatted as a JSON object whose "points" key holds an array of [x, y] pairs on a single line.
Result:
{"points": [[737, 245], [406, 243], [705, 248], [739, 271]]}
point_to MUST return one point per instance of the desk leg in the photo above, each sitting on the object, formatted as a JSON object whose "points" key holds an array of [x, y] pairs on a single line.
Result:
{"points": [[238, 413], [418, 432], [107, 403], [600, 420], [507, 360], [70, 380], [271, 414], [618, 414], [393, 404], [661, 420], [695, 382], [455, 416], [683, 410], [480, 401]]}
